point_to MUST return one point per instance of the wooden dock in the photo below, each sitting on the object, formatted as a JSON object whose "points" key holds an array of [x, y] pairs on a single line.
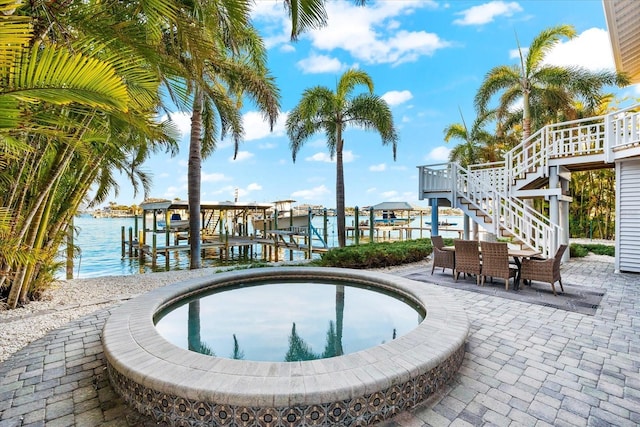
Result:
{"points": [[391, 233], [271, 245]]}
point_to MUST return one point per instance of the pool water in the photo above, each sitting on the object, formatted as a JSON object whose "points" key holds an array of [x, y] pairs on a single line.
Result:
{"points": [[288, 321]]}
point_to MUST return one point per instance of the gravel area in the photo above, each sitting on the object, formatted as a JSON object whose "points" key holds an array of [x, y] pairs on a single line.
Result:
{"points": [[71, 299], [67, 300]]}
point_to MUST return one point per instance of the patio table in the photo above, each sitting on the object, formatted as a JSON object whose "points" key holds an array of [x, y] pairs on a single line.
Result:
{"points": [[516, 254]]}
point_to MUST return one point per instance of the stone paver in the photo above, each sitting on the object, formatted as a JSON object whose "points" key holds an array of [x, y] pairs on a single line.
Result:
{"points": [[525, 364]]}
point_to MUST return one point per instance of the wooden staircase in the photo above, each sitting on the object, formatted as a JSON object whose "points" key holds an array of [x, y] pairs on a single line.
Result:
{"points": [[493, 195]]}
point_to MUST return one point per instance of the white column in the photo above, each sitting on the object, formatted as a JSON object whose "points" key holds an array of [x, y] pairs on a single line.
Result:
{"points": [[553, 200], [564, 218]]}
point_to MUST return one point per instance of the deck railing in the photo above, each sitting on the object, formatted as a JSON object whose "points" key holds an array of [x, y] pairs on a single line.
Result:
{"points": [[488, 186]]}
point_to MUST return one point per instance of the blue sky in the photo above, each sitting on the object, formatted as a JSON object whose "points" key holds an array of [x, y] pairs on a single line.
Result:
{"points": [[427, 60]]}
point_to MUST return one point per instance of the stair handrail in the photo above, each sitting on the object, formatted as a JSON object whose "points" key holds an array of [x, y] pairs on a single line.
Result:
{"points": [[570, 138], [494, 173], [532, 228]]}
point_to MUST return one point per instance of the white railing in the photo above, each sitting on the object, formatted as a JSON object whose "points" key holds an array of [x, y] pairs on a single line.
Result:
{"points": [[622, 129], [494, 174], [436, 177], [532, 228], [488, 186]]}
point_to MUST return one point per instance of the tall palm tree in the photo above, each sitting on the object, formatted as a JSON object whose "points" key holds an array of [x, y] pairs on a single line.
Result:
{"points": [[322, 110], [532, 80], [226, 64], [227, 25]]}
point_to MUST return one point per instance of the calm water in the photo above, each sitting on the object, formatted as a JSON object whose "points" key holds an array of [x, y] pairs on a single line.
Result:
{"points": [[261, 318], [100, 250]]}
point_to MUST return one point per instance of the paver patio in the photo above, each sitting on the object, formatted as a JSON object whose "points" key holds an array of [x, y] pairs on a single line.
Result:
{"points": [[526, 364]]}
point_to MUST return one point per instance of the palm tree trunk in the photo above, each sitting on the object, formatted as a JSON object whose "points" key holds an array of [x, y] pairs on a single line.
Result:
{"points": [[194, 180], [526, 115], [342, 234]]}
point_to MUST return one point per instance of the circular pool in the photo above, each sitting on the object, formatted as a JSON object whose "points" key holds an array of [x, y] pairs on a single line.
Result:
{"points": [[288, 321], [182, 387]]}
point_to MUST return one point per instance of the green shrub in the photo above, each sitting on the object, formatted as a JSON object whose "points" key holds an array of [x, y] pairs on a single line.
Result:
{"points": [[582, 250], [578, 251], [377, 255], [599, 249]]}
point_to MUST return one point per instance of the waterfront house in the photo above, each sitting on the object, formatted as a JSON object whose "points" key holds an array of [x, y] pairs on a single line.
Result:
{"points": [[493, 195]]}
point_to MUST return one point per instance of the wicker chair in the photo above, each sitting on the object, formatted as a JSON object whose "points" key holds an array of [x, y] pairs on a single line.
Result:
{"points": [[546, 270], [495, 262], [442, 258], [467, 258]]}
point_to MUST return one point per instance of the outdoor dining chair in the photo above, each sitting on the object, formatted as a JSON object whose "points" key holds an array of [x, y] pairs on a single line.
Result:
{"points": [[544, 270], [467, 258], [495, 262], [441, 258]]}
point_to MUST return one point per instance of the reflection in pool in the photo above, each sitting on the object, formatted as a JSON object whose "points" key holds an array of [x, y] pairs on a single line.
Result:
{"points": [[288, 321]]}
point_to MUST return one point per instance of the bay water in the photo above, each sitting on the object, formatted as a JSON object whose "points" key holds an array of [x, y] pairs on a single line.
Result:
{"points": [[100, 249]]}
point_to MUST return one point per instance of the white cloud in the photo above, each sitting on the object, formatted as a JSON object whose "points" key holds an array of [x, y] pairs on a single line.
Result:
{"points": [[256, 127], [515, 53], [213, 177], [347, 156], [244, 192], [391, 196], [371, 190], [241, 156], [173, 191], [277, 26], [181, 119], [267, 146], [311, 194], [486, 13], [395, 97], [315, 64], [378, 168], [438, 154], [370, 33], [591, 49], [405, 119]]}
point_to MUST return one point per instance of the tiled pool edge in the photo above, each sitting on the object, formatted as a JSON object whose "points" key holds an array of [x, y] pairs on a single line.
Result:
{"points": [[185, 388]]}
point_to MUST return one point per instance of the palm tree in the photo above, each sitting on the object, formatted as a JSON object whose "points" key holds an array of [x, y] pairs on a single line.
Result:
{"points": [[532, 80], [220, 60], [227, 25], [70, 116], [478, 145], [320, 109]]}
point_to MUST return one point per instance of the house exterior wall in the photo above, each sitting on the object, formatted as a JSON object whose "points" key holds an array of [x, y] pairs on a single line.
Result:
{"points": [[628, 215]]}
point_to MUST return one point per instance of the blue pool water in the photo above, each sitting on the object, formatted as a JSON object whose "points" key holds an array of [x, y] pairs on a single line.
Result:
{"points": [[256, 322]]}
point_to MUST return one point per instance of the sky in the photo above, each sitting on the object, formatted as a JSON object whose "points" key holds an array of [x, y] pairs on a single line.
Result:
{"points": [[427, 59]]}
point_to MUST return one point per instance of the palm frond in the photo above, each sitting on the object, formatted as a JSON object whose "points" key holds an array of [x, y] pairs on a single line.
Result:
{"points": [[57, 76], [15, 33]]}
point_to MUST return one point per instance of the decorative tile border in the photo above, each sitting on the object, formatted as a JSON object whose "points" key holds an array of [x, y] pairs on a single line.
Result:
{"points": [[358, 411], [180, 387]]}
